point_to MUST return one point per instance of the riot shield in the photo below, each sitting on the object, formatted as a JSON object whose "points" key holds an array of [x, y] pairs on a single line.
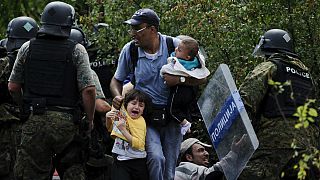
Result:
{"points": [[227, 121]]}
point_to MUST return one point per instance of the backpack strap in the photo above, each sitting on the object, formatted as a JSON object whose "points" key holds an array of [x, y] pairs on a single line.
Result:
{"points": [[134, 60], [134, 54], [170, 45]]}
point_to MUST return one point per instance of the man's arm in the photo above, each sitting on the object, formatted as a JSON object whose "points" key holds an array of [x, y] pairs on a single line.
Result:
{"points": [[172, 80], [102, 107], [88, 98], [116, 91], [115, 87], [15, 91]]}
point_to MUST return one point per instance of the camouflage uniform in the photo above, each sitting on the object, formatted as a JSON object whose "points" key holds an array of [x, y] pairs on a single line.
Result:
{"points": [[99, 164], [99, 91], [52, 133], [275, 135], [9, 125]]}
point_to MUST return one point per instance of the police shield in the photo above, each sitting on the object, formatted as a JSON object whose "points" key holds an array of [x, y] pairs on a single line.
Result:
{"points": [[227, 122]]}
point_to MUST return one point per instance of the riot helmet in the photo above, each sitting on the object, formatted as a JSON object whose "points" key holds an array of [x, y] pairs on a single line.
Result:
{"points": [[3, 49], [79, 36], [98, 26], [274, 41], [19, 31], [57, 19], [3, 42]]}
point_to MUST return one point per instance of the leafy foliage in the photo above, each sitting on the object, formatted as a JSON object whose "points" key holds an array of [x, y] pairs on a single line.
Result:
{"points": [[306, 115]]}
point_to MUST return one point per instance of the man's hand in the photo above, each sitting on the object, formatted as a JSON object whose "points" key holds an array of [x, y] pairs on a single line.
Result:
{"points": [[238, 145], [171, 80], [117, 101]]}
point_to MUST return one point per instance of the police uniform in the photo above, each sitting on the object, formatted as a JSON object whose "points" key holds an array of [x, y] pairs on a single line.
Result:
{"points": [[97, 164], [52, 131], [9, 134], [20, 30], [274, 132]]}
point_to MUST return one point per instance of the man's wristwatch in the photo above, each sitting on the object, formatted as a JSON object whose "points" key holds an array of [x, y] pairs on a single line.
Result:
{"points": [[182, 79]]}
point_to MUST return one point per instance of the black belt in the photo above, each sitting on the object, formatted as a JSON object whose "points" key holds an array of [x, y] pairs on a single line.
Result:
{"points": [[59, 109]]}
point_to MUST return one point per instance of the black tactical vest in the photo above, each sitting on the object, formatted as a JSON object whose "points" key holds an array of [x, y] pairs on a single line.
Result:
{"points": [[293, 96], [50, 73]]}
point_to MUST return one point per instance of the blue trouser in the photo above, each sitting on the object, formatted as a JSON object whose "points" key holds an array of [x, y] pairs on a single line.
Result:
{"points": [[162, 146]]}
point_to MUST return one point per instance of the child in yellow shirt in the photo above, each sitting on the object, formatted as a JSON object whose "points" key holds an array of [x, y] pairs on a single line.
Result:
{"points": [[128, 127]]}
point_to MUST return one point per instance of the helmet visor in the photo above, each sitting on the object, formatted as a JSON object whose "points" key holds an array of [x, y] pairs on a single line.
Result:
{"points": [[257, 50]]}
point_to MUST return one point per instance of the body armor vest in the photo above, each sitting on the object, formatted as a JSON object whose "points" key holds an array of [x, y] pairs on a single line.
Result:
{"points": [[50, 73], [294, 95]]}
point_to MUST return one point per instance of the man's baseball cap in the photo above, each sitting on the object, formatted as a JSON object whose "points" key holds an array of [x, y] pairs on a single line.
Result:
{"points": [[144, 16], [186, 144]]}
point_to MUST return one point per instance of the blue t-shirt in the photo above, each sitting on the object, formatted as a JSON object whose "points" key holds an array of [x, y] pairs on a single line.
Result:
{"points": [[147, 71]]}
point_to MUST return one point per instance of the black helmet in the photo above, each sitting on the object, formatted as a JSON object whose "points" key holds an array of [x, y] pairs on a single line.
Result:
{"points": [[79, 36], [20, 30], [275, 41], [3, 42], [3, 49], [57, 19], [96, 27]]}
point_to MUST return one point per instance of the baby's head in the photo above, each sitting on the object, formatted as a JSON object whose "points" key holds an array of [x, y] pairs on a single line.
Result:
{"points": [[135, 102], [187, 49]]}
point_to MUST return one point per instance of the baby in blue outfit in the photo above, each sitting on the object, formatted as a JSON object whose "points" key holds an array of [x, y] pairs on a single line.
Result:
{"points": [[185, 63]]}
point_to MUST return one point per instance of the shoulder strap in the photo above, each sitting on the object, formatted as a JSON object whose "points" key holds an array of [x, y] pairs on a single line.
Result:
{"points": [[134, 55], [134, 60], [170, 45]]}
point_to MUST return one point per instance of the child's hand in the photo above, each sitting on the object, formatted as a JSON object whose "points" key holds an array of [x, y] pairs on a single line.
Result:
{"points": [[121, 124], [112, 114]]}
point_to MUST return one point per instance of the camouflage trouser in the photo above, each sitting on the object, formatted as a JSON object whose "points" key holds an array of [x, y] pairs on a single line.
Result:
{"points": [[270, 164], [44, 136], [9, 138]]}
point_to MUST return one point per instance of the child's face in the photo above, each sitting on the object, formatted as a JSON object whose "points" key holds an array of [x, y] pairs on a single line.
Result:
{"points": [[182, 52], [135, 108]]}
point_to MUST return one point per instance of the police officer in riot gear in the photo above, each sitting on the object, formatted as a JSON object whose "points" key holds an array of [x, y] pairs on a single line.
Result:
{"points": [[100, 64], [79, 36], [50, 76], [98, 166], [20, 30], [271, 107]]}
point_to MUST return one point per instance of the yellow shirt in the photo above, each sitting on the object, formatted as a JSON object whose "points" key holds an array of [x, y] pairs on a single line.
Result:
{"points": [[136, 127]]}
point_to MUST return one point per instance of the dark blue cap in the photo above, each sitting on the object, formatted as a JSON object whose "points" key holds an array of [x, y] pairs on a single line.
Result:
{"points": [[144, 16]]}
